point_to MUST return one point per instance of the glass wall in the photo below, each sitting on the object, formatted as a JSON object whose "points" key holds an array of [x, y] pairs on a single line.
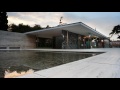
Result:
{"points": [[43, 42]]}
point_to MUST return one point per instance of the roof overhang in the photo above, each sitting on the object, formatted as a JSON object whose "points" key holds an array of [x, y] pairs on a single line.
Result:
{"points": [[78, 28]]}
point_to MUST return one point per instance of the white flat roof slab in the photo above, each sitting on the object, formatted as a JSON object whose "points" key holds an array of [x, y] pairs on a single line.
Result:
{"points": [[79, 28], [105, 65]]}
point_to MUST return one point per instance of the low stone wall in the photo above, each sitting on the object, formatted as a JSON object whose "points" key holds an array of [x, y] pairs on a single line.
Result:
{"points": [[16, 40]]}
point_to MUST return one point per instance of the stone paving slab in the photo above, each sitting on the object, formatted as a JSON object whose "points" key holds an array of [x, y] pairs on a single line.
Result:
{"points": [[91, 71], [31, 76]]}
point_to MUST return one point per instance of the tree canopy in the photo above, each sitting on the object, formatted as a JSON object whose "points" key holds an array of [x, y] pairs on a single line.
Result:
{"points": [[47, 26], [3, 21], [116, 30], [21, 28]]}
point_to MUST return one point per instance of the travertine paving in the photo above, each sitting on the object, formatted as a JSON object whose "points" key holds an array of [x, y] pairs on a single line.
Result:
{"points": [[106, 65]]}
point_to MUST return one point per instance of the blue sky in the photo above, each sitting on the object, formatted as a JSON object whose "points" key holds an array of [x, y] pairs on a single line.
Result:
{"points": [[102, 21]]}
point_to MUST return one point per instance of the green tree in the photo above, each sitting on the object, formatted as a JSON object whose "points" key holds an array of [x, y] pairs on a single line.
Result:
{"points": [[3, 21], [47, 26], [36, 27], [21, 28], [13, 28], [24, 28], [116, 30]]}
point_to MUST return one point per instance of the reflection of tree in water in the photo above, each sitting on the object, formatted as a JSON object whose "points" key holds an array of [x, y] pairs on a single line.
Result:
{"points": [[2, 73], [24, 61], [18, 69]]}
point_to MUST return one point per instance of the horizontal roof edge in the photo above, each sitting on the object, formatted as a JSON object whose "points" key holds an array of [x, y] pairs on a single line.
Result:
{"points": [[59, 26], [65, 25], [93, 29]]}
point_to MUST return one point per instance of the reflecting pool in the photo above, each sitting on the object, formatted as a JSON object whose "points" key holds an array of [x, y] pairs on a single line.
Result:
{"points": [[22, 62]]}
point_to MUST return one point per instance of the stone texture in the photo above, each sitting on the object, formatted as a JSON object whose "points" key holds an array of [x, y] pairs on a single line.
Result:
{"points": [[31, 76], [12, 39], [72, 40]]}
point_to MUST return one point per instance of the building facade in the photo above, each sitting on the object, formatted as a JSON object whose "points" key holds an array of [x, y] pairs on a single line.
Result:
{"points": [[115, 44], [12, 40], [69, 36]]}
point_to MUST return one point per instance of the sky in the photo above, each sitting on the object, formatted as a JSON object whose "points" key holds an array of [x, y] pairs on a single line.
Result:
{"points": [[101, 21]]}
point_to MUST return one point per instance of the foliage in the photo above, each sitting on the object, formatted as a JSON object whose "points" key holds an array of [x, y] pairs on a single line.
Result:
{"points": [[3, 21], [23, 28], [47, 26], [116, 30]]}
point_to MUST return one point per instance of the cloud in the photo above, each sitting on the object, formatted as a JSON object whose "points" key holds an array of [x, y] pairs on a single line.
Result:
{"points": [[31, 18], [102, 21]]}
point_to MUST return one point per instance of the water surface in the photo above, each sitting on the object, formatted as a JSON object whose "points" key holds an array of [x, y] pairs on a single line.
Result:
{"points": [[22, 61]]}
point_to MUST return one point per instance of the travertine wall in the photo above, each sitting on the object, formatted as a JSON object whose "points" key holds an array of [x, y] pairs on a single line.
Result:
{"points": [[12, 39]]}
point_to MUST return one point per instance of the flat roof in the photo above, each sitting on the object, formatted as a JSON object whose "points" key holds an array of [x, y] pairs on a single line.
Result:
{"points": [[78, 28]]}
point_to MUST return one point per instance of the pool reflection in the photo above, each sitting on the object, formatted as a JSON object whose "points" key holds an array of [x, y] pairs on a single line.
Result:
{"points": [[9, 74], [23, 61]]}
